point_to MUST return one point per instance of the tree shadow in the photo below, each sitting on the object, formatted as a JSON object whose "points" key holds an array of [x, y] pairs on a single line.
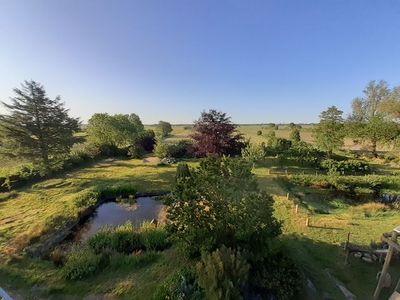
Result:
{"points": [[316, 257]]}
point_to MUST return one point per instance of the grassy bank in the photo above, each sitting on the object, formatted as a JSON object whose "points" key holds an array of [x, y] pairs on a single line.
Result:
{"points": [[316, 248]]}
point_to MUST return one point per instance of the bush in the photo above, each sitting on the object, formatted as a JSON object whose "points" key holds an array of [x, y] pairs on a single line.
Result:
{"points": [[180, 285], [223, 274], [81, 263], [219, 204], [122, 239], [182, 171], [278, 274], [86, 198], [127, 239], [181, 149], [253, 152], [112, 191], [147, 140], [153, 238], [84, 151], [349, 167]]}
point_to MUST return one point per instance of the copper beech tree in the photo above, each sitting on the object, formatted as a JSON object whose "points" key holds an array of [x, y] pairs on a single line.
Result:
{"points": [[215, 135]]}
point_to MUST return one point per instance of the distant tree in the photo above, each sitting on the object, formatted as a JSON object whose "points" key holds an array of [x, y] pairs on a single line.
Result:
{"points": [[370, 120], [215, 135], [114, 130], [37, 128], [164, 128], [295, 134], [329, 133], [147, 140], [391, 104]]}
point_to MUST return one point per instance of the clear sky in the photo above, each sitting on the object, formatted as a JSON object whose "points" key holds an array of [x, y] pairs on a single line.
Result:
{"points": [[259, 61]]}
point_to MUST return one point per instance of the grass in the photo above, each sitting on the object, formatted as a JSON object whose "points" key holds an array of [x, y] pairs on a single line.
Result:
{"points": [[315, 248], [26, 213]]}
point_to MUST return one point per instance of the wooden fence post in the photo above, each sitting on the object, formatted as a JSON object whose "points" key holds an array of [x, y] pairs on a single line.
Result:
{"points": [[385, 267]]}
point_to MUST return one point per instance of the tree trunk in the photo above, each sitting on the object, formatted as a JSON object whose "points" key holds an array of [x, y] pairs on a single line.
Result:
{"points": [[374, 152]]}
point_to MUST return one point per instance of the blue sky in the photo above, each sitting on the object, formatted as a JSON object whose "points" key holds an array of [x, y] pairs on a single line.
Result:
{"points": [[259, 61]]}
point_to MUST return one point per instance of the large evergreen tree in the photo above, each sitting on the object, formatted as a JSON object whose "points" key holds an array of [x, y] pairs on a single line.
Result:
{"points": [[36, 128]]}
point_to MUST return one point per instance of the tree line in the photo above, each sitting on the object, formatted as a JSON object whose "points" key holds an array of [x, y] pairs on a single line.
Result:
{"points": [[39, 129], [374, 119]]}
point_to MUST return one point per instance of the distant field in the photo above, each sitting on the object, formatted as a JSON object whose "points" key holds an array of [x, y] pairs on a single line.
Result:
{"points": [[250, 132]]}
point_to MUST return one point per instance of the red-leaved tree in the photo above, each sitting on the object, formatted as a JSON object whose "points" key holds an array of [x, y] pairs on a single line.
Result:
{"points": [[215, 135]]}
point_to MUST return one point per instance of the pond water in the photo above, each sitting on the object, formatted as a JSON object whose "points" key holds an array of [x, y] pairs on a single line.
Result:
{"points": [[114, 214]]}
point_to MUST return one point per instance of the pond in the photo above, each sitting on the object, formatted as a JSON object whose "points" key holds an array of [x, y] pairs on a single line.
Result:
{"points": [[114, 214]]}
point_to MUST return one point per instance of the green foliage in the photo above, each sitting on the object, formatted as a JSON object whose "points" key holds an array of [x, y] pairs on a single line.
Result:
{"points": [[253, 152], [346, 167], [358, 185], [276, 145], [220, 205], [122, 239], [114, 131], [153, 238], [295, 135], [179, 149], [119, 189], [223, 274], [127, 239], [278, 274], [164, 129], [370, 120], [329, 133], [36, 128], [181, 285], [182, 171], [119, 261], [81, 263], [86, 198]]}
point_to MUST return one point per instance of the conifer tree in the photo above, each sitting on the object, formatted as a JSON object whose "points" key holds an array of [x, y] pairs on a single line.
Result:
{"points": [[36, 127]]}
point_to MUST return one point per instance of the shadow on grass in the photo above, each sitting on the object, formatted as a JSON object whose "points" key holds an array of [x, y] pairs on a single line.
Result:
{"points": [[316, 257]]}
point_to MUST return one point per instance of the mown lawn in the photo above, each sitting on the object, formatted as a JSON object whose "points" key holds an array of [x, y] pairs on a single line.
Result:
{"points": [[316, 248], [25, 213]]}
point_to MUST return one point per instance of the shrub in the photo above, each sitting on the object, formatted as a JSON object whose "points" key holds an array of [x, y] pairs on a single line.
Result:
{"points": [[278, 274], [180, 149], [180, 285], [223, 274], [182, 171], [220, 205], [122, 239], [81, 263], [153, 238], [84, 151], [351, 166], [112, 191], [253, 152], [86, 198], [147, 140]]}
